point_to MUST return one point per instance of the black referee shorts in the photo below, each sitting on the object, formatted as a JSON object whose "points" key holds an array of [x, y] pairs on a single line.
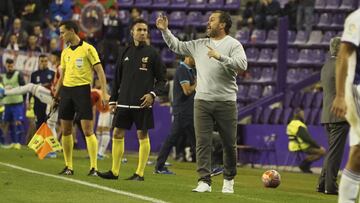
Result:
{"points": [[75, 99], [125, 117]]}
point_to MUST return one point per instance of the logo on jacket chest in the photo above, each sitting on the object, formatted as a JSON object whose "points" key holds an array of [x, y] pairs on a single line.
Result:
{"points": [[144, 63]]}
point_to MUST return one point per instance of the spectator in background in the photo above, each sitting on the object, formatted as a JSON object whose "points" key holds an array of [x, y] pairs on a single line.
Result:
{"points": [[112, 36], [54, 45], [135, 13], [247, 19], [7, 13], [290, 10], [13, 43], [305, 15], [41, 38], [17, 30], [336, 128], [52, 30], [44, 76], [60, 10], [33, 13], [31, 45], [266, 14], [301, 140]]}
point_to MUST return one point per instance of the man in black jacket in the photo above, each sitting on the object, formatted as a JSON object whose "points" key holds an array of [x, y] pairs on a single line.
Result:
{"points": [[140, 76]]}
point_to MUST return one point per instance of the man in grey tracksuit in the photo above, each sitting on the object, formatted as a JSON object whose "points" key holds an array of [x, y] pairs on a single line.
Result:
{"points": [[218, 59]]}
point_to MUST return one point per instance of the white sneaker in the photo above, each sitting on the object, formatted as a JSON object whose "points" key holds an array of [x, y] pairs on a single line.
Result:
{"points": [[202, 187], [228, 186]]}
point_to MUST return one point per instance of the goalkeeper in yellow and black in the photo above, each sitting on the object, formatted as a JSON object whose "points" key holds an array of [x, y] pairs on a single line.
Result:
{"points": [[301, 140]]}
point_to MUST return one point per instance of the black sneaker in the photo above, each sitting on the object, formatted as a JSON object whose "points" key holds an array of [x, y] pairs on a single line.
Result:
{"points": [[93, 172], [108, 175], [67, 171], [135, 177]]}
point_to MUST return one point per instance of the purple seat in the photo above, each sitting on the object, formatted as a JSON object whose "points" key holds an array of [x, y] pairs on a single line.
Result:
{"points": [[143, 3], [167, 55], [315, 37], [292, 76], [305, 56], [205, 18], [318, 100], [154, 15], [307, 99], [338, 20], [318, 56], [293, 55], [286, 115], [265, 115], [276, 115], [256, 115], [332, 4], [320, 4], [255, 74], [287, 99], [301, 37], [304, 73], [242, 92], [296, 101], [328, 35], [314, 117], [179, 4], [145, 15], [243, 36], [198, 4], [325, 19], [232, 5], [255, 92], [268, 91], [124, 16], [265, 55], [272, 37], [215, 4], [267, 75], [252, 54], [307, 114], [125, 3], [291, 36], [258, 36], [110, 71], [274, 57], [194, 18], [156, 36], [177, 18], [240, 105], [160, 4], [347, 4]]}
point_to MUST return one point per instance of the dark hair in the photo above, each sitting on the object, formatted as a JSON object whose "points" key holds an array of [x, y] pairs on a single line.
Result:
{"points": [[9, 60], [56, 53], [69, 24], [139, 20], [225, 18], [42, 56]]}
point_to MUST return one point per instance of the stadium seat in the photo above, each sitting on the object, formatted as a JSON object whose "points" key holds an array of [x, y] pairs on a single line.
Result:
{"points": [[288, 98], [318, 100], [276, 115], [125, 3], [286, 116], [215, 4], [267, 75], [304, 73], [160, 4], [265, 115], [110, 71], [265, 55], [296, 101], [167, 55], [154, 15], [307, 115], [255, 92], [255, 74], [269, 90], [328, 35], [332, 4], [197, 4], [177, 18], [318, 56], [292, 76], [258, 36], [272, 37], [255, 118], [252, 54], [179, 4], [292, 55], [307, 99], [124, 16], [242, 92], [305, 56], [143, 3], [325, 20], [274, 57], [301, 37], [338, 20], [319, 4], [347, 4], [194, 18], [156, 36], [314, 117], [291, 36], [145, 15], [205, 18], [243, 36], [232, 5], [315, 37]]}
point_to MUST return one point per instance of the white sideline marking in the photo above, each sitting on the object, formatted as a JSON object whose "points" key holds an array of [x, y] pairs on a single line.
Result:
{"points": [[93, 185]]}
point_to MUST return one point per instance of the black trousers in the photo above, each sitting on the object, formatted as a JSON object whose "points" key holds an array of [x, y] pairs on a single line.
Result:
{"points": [[182, 126], [337, 133]]}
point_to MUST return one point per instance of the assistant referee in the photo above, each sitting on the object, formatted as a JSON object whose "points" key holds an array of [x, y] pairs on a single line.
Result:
{"points": [[78, 61]]}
